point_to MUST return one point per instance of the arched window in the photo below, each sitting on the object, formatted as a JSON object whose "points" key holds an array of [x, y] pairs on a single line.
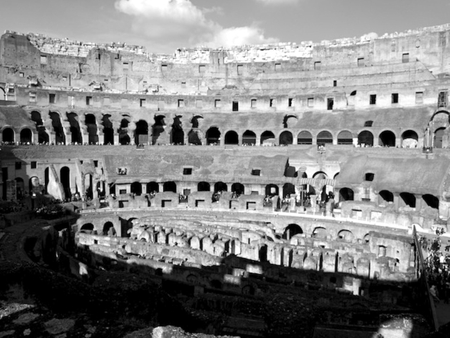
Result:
{"points": [[386, 195], [431, 201], [267, 135], [409, 199], [8, 135], [203, 186], [410, 139], [304, 137], [387, 139], [345, 137], [91, 124], [170, 186], [292, 230], [141, 132], [346, 194], [324, 137], [365, 138], [286, 138], [213, 136], [26, 136], [249, 138], [231, 137], [136, 188]]}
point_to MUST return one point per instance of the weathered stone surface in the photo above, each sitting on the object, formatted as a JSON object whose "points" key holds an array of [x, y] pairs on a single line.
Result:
{"points": [[25, 318]]}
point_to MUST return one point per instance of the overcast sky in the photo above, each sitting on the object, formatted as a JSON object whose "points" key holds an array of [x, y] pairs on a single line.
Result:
{"points": [[164, 25]]}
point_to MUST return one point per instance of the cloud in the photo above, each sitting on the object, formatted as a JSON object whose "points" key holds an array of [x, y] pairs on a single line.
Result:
{"points": [[278, 2], [169, 24]]}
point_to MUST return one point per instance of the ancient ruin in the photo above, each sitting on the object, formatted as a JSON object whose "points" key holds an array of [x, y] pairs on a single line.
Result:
{"points": [[275, 190]]}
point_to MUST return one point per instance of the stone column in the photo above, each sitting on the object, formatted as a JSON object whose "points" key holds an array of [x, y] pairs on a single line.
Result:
{"points": [[161, 186]]}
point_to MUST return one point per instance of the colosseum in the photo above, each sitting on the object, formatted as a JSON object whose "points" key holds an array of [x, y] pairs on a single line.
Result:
{"points": [[270, 191]]}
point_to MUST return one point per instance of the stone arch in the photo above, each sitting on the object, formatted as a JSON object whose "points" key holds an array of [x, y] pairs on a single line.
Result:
{"points": [[345, 137], [60, 137], [291, 230], [285, 138], [231, 137], [288, 189], [2, 94], [431, 200], [304, 137], [42, 134], [320, 175], [346, 235], [91, 125], [158, 129], [410, 139], [386, 195], [136, 188], [152, 187], [64, 178], [409, 199], [220, 186], [177, 136], [289, 121], [87, 228], [213, 136], [438, 137], [141, 132], [266, 135], [386, 139], [272, 190], [319, 232], [8, 135], [108, 229], [124, 138], [249, 138], [108, 129], [365, 138], [170, 186], [324, 137], [196, 121], [203, 186], [238, 188], [75, 129], [346, 194], [26, 136]]}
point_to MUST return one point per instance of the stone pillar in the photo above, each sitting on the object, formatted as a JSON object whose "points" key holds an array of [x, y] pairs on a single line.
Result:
{"points": [[144, 188], [161, 186], [186, 139], [419, 202], [280, 191], [101, 137], [397, 201]]}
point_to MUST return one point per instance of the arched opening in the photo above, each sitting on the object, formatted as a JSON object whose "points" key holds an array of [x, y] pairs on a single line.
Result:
{"points": [[346, 235], [65, 181], [141, 133], [158, 128], [408, 199], [213, 136], [272, 190], [34, 185], [345, 138], [2, 94], [288, 190], [365, 138], [286, 138], [124, 138], [75, 131], [177, 131], [410, 139], [292, 230], [88, 186], [203, 186], [238, 188], [267, 135], [42, 135], [108, 229], [195, 137], [87, 228], [170, 187], [249, 138], [386, 139], [108, 130], [431, 200], [324, 137], [304, 137], [8, 135], [438, 135], [26, 137], [91, 124], [220, 186], [263, 253], [20, 188], [231, 137], [386, 195], [60, 137], [319, 232], [152, 187], [136, 188], [346, 194]]}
